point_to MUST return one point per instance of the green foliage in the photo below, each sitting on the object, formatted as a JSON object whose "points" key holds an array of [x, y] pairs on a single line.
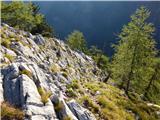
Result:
{"points": [[26, 72], [113, 104], [153, 88], [100, 58], [134, 55], [44, 28], [71, 93], [77, 41], [9, 112], [102, 101], [74, 84], [20, 15], [25, 16]]}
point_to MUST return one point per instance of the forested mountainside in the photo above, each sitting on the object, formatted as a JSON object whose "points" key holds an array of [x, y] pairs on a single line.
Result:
{"points": [[43, 79]]}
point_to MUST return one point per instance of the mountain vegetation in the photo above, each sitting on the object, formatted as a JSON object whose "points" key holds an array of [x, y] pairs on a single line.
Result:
{"points": [[25, 16], [45, 78]]}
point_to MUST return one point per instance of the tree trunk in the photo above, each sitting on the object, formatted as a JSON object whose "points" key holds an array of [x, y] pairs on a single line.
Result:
{"points": [[107, 78], [130, 75], [151, 82]]}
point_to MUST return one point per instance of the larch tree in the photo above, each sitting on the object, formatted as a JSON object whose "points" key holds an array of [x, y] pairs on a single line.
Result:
{"points": [[77, 41], [134, 56]]}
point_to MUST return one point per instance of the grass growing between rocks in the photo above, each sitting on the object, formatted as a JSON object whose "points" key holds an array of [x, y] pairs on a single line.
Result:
{"points": [[44, 95], [67, 118], [6, 43], [73, 88], [59, 106], [9, 112], [55, 68], [26, 72], [9, 57], [111, 103]]}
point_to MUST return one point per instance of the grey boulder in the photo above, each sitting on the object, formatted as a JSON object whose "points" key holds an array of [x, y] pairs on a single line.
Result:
{"points": [[80, 112]]}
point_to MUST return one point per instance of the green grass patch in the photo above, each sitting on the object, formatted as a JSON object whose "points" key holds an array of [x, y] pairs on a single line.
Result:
{"points": [[71, 93], [74, 84]]}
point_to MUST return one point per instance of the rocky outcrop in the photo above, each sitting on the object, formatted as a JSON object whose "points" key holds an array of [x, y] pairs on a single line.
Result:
{"points": [[31, 100], [34, 62], [80, 112], [1, 90], [39, 40], [63, 110]]}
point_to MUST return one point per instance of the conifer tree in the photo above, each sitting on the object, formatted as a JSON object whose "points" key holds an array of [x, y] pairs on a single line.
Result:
{"points": [[152, 89], [25, 16], [134, 55], [77, 41]]}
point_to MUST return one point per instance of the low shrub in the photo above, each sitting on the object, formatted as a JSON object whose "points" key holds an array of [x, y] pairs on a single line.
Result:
{"points": [[9, 112]]}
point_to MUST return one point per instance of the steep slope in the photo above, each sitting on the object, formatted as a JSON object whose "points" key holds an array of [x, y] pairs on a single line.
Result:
{"points": [[33, 67], [47, 80]]}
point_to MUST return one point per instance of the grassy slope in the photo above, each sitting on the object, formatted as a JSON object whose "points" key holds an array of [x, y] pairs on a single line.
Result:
{"points": [[110, 103]]}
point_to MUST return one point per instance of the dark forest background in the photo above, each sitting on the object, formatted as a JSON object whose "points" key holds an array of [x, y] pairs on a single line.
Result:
{"points": [[100, 22]]}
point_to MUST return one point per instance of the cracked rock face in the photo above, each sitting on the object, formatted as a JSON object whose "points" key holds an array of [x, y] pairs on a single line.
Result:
{"points": [[32, 62]]}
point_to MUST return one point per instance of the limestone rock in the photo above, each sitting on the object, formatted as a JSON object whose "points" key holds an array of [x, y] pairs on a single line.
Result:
{"points": [[1, 89], [39, 40], [64, 111], [80, 112], [9, 52], [31, 100], [52, 65]]}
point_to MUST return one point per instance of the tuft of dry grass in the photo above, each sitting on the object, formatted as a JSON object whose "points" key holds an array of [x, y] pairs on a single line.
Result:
{"points": [[9, 57], [55, 68], [9, 112], [59, 106], [6, 43], [26, 72], [44, 95]]}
